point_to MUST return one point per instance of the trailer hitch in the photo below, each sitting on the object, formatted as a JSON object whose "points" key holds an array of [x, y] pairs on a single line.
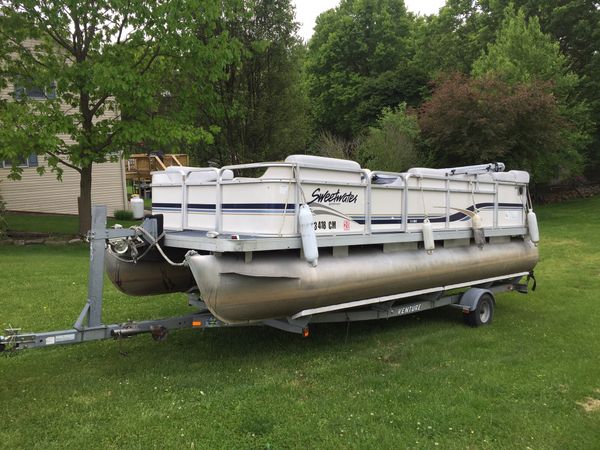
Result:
{"points": [[10, 340]]}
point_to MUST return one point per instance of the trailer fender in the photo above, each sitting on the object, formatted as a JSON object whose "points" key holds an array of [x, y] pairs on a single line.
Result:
{"points": [[470, 299]]}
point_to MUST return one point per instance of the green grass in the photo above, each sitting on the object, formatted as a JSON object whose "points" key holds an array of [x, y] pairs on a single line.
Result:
{"points": [[410, 382], [52, 224]]}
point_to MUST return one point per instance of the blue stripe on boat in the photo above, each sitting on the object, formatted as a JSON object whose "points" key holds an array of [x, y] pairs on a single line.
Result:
{"points": [[275, 208]]}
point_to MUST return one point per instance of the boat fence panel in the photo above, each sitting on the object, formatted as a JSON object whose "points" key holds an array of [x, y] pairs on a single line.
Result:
{"points": [[345, 199]]}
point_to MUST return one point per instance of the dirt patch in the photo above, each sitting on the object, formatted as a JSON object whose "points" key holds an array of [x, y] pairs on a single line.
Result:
{"points": [[590, 404], [26, 235], [33, 238]]}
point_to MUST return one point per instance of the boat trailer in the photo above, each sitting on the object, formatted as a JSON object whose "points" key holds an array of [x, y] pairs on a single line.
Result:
{"points": [[477, 302]]}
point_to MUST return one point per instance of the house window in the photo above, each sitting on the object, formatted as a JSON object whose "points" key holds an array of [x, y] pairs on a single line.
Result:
{"points": [[26, 89], [30, 161]]}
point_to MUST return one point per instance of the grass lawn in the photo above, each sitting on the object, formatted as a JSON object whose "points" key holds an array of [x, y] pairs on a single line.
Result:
{"points": [[421, 381]]}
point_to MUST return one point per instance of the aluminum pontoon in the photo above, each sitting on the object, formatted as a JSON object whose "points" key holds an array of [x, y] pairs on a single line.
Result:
{"points": [[314, 239]]}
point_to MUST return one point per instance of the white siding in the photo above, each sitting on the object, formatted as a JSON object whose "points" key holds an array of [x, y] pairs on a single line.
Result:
{"points": [[45, 194]]}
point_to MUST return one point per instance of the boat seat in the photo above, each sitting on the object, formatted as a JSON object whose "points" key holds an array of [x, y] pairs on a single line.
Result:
{"points": [[515, 176], [386, 180], [323, 162], [424, 172], [207, 176]]}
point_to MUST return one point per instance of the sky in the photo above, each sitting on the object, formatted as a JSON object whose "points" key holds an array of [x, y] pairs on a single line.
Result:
{"points": [[308, 10]]}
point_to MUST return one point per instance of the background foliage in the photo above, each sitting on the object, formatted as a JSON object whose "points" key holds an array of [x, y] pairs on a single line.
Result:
{"points": [[488, 119], [261, 104], [393, 142]]}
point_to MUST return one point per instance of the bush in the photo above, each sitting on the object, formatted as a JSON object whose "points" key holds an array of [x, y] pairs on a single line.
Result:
{"points": [[473, 121], [123, 214], [333, 146], [393, 143]]}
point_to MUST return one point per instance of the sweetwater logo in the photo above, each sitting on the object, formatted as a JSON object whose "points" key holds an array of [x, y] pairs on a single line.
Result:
{"points": [[332, 197]]}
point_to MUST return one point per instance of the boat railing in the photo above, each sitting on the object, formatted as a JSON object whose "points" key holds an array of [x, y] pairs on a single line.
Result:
{"points": [[296, 178]]}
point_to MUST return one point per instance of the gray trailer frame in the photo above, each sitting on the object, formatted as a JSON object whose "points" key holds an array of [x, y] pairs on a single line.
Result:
{"points": [[477, 303]]}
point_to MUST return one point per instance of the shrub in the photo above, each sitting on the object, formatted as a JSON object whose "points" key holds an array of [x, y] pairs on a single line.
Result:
{"points": [[472, 121], [123, 214], [393, 143], [333, 146]]}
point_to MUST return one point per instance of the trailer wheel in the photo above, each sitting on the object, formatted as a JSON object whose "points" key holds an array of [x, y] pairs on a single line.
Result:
{"points": [[482, 314]]}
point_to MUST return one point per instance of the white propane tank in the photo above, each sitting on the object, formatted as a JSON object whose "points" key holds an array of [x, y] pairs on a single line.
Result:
{"points": [[136, 204], [308, 235], [428, 240], [532, 224]]}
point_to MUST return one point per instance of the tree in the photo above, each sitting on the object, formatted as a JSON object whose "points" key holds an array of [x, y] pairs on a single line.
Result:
{"points": [[469, 121], [393, 143], [575, 25], [261, 107], [450, 41], [103, 61], [453, 40], [3, 224], [523, 54], [358, 62], [334, 146]]}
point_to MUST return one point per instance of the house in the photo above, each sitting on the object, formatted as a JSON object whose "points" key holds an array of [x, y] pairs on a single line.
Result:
{"points": [[46, 194]]}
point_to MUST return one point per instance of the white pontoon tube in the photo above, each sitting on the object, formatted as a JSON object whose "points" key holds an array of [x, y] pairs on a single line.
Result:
{"points": [[279, 284]]}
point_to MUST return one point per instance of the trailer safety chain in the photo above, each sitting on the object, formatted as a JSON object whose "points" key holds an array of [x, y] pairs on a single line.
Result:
{"points": [[136, 258], [154, 242]]}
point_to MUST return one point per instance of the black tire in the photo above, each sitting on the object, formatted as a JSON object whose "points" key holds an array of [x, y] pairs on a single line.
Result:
{"points": [[483, 314]]}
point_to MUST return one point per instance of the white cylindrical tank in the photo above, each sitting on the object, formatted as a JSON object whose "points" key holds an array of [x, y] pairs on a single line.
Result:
{"points": [[532, 223], [136, 204], [428, 240], [477, 226], [308, 235]]}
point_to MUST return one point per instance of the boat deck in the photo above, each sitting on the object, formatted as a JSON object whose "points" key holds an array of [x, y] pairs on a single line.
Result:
{"points": [[198, 240]]}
